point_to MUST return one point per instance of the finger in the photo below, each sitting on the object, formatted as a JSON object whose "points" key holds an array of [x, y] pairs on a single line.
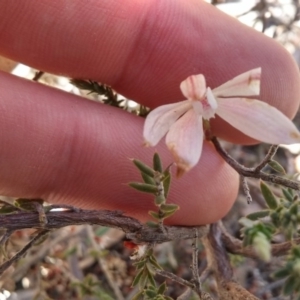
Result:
{"points": [[69, 150], [7, 65], [144, 49]]}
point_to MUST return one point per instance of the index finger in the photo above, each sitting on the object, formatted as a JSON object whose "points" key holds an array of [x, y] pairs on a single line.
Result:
{"points": [[144, 49]]}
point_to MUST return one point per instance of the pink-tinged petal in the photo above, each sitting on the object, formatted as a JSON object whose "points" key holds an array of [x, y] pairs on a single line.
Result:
{"points": [[246, 84], [209, 105], [258, 120], [194, 87], [185, 140], [159, 121]]}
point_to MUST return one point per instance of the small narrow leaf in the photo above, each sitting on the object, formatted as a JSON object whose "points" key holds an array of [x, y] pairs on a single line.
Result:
{"points": [[258, 214], [287, 195], [275, 165], [275, 217], [144, 278], [150, 277], [282, 273], [167, 182], [157, 163], [152, 224], [154, 262], [268, 195], [246, 222], [7, 209], [159, 200], [169, 207], [162, 288], [147, 179], [289, 285], [143, 167], [154, 214], [294, 208], [144, 187], [151, 288], [137, 278], [296, 252], [168, 214], [138, 295], [291, 192], [140, 264], [151, 294]]}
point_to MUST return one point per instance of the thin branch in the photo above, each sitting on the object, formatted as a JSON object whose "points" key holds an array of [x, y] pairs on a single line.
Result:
{"points": [[217, 257], [246, 189], [133, 228], [204, 275], [102, 263], [195, 271], [235, 246], [175, 278], [185, 295], [272, 151], [251, 172], [166, 274], [42, 252], [19, 255]]}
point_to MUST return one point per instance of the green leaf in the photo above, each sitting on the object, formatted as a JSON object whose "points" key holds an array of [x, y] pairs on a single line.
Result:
{"points": [[282, 273], [159, 200], [8, 209], [296, 251], [147, 179], [138, 295], [289, 285], [137, 278], [294, 208], [151, 294], [275, 165], [268, 195], [143, 167], [162, 288], [150, 277], [275, 218], [140, 264], [258, 214], [168, 214], [157, 163], [246, 222], [144, 278], [151, 288], [153, 261], [169, 207], [167, 182], [154, 214], [287, 195], [144, 187], [152, 224]]}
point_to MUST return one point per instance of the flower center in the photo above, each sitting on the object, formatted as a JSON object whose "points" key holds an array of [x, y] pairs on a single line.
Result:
{"points": [[206, 106]]}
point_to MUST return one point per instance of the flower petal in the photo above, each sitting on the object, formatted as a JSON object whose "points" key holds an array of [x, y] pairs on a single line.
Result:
{"points": [[258, 120], [159, 121], [194, 87], [246, 84], [185, 140]]}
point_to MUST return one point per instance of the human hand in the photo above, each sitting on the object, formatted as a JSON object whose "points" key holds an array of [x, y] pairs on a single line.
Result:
{"points": [[69, 150]]}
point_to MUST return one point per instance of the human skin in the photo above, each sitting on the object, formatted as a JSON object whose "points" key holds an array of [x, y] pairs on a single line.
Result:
{"points": [[69, 150]]}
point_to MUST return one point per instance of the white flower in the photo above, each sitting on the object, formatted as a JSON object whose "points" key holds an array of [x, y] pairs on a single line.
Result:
{"points": [[182, 121]]}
